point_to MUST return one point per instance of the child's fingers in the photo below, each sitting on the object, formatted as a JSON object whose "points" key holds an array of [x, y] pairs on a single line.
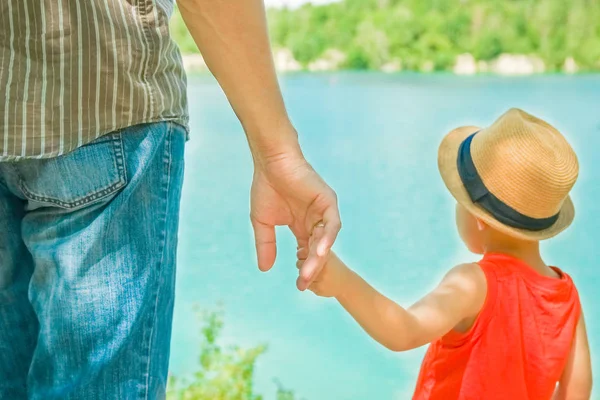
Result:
{"points": [[313, 263], [302, 253], [299, 264], [302, 243], [308, 269]]}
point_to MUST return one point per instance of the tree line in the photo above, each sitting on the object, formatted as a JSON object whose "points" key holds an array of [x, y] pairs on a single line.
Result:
{"points": [[416, 33]]}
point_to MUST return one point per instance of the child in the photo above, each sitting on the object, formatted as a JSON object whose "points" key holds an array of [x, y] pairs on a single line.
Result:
{"points": [[509, 326]]}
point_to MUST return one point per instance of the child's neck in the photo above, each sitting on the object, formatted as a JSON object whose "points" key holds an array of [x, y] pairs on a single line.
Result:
{"points": [[528, 252]]}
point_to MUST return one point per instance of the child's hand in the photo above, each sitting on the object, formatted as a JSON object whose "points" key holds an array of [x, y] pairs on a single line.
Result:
{"points": [[330, 281]]}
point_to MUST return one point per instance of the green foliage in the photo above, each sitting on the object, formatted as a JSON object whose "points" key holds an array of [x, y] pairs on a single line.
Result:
{"points": [[433, 32], [284, 394], [224, 373], [182, 35]]}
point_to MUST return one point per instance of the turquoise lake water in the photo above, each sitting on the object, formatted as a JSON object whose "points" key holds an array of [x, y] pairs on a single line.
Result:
{"points": [[374, 138]]}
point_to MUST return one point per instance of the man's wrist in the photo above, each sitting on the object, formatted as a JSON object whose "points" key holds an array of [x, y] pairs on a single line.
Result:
{"points": [[270, 155], [269, 139]]}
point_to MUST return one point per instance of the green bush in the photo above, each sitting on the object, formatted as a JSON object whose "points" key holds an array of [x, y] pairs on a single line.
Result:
{"points": [[223, 373]]}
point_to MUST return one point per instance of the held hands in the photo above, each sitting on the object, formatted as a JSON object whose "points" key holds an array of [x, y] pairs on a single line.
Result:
{"points": [[286, 190], [330, 281]]}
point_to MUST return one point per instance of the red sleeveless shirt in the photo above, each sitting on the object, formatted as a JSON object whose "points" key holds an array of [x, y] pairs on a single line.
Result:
{"points": [[517, 347]]}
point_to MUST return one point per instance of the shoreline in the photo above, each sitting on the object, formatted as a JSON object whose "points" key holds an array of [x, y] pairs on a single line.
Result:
{"points": [[206, 72], [510, 65]]}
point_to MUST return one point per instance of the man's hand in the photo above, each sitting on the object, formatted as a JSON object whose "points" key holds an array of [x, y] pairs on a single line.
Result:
{"points": [[287, 191], [232, 36]]}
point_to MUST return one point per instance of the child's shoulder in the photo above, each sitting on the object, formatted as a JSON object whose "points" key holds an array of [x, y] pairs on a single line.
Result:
{"points": [[470, 280], [469, 275]]}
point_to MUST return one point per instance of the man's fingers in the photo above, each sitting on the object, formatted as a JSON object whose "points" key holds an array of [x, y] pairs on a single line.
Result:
{"points": [[333, 224], [266, 248]]}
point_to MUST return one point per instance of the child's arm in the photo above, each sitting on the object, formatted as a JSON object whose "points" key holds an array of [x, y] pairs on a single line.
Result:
{"points": [[576, 380], [459, 297]]}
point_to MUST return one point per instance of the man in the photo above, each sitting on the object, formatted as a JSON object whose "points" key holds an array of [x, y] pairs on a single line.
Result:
{"points": [[93, 122]]}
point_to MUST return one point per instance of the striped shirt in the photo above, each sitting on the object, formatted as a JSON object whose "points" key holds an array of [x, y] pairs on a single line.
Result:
{"points": [[73, 70]]}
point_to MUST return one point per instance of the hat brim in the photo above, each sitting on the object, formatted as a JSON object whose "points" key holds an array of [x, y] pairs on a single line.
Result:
{"points": [[447, 157]]}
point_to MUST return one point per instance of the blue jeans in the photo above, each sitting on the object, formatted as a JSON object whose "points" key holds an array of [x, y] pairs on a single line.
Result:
{"points": [[87, 268]]}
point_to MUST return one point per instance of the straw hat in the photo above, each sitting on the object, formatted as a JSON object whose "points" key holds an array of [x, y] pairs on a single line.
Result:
{"points": [[514, 175]]}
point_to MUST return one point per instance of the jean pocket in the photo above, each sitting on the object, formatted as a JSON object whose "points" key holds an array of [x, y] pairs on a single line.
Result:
{"points": [[88, 175]]}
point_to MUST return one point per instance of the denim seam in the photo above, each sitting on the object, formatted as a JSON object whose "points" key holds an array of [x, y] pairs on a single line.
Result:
{"points": [[96, 195], [120, 159], [167, 159]]}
